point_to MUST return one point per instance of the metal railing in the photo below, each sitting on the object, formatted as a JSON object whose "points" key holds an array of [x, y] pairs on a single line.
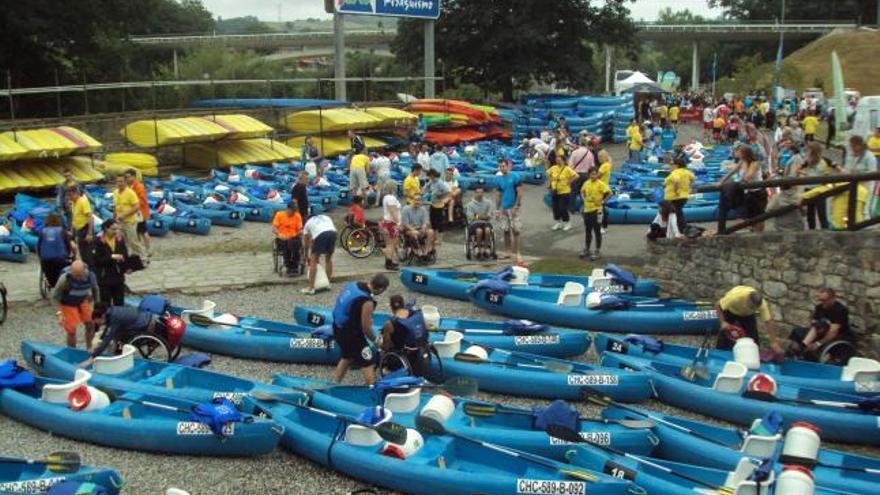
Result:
{"points": [[254, 37], [844, 184], [745, 28]]}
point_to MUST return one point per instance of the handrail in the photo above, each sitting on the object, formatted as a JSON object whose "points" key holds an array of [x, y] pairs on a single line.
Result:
{"points": [[799, 181]]}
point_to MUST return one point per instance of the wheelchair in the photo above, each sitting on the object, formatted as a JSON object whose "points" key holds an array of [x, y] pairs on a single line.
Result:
{"points": [[470, 242], [361, 241], [837, 352], [160, 344], [393, 362], [409, 247], [278, 259]]}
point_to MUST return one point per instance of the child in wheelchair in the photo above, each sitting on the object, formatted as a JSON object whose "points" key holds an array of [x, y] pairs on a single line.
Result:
{"points": [[480, 240]]}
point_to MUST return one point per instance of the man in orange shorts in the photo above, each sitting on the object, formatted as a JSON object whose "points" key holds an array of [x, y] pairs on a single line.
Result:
{"points": [[75, 292]]}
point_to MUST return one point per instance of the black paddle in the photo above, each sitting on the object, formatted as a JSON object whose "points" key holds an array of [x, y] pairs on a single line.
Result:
{"points": [[430, 426], [489, 409], [57, 462], [569, 435], [461, 386], [391, 432]]}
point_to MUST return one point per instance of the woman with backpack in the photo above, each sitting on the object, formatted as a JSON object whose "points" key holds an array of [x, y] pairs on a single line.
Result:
{"points": [[55, 247], [406, 335], [111, 256]]}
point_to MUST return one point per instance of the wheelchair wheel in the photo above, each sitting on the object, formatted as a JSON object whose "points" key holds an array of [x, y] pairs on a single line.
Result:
{"points": [[343, 235], [152, 347], [3, 303], [44, 285], [277, 259], [388, 362], [837, 353], [360, 243]]}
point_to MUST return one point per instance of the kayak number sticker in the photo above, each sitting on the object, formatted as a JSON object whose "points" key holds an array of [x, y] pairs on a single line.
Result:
{"points": [[31, 486], [706, 314], [419, 278], [343, 194], [233, 215], [494, 297], [611, 289], [37, 358], [536, 339], [595, 437], [255, 212], [616, 346], [325, 200], [306, 343], [234, 397], [620, 472], [315, 319], [550, 487], [185, 428], [191, 223], [608, 380]]}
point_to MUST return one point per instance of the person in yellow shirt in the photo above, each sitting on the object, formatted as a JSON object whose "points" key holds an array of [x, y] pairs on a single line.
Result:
{"points": [[412, 186], [633, 127], [717, 127], [594, 193], [673, 115], [635, 146], [874, 143], [678, 187], [840, 203], [287, 227], [810, 125], [127, 211], [605, 166], [357, 174], [82, 221], [561, 176], [738, 311], [663, 111]]}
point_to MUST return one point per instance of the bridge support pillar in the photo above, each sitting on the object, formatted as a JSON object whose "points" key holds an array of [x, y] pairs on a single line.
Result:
{"points": [[176, 68], [339, 56], [608, 69], [429, 59], [695, 67]]}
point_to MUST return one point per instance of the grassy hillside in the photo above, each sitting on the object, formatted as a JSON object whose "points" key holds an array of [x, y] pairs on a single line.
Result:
{"points": [[857, 51]]}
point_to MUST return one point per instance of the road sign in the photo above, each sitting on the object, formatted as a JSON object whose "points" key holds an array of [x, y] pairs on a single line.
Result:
{"points": [[424, 9]]}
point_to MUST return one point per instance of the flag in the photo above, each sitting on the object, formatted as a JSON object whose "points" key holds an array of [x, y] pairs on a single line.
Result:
{"points": [[779, 63], [839, 97]]}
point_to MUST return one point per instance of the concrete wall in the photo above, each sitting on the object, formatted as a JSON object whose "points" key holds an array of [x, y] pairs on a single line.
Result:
{"points": [[789, 267]]}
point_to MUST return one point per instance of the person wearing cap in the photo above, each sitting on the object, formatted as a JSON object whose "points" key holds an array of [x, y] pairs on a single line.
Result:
{"points": [[738, 311], [287, 227], [677, 187]]}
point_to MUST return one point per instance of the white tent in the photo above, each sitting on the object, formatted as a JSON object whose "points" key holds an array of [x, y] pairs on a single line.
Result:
{"points": [[632, 80]]}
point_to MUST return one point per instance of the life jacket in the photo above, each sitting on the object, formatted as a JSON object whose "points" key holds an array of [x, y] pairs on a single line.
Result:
{"points": [[155, 304], [216, 415], [14, 376], [79, 290], [349, 297], [415, 330], [52, 246]]}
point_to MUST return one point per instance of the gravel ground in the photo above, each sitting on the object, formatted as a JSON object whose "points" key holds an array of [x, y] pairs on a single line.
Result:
{"points": [[279, 472]]}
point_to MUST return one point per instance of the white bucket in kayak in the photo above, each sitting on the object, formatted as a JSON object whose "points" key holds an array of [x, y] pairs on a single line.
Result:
{"points": [[432, 317], [478, 351], [450, 345], [414, 442], [363, 436], [746, 352], [742, 485], [520, 276], [795, 480], [439, 408], [801, 444]]}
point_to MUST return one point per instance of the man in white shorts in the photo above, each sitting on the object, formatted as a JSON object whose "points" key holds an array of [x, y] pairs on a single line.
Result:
{"points": [[320, 239], [357, 174]]}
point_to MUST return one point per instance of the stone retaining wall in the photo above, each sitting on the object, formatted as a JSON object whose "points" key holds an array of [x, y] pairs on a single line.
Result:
{"points": [[789, 267]]}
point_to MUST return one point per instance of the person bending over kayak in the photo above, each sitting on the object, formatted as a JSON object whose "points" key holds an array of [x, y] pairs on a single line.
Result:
{"points": [[121, 323], [353, 327], [737, 313], [406, 335]]}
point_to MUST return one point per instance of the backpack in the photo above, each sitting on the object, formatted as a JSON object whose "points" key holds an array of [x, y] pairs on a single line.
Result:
{"points": [[155, 304]]}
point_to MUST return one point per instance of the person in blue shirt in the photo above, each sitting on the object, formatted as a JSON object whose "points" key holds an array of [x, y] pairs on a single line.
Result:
{"points": [[508, 202], [667, 138], [439, 161]]}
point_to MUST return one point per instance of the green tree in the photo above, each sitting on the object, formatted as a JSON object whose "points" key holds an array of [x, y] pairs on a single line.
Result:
{"points": [[242, 25], [504, 45], [841, 10]]}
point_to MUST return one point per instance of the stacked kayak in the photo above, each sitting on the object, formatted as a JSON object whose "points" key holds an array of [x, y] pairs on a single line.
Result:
{"points": [[515, 335], [455, 284], [860, 376], [571, 307], [34, 476], [510, 426], [131, 421], [842, 418], [640, 211]]}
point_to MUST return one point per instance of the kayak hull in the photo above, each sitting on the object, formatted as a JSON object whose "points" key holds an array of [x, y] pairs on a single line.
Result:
{"points": [[36, 478]]}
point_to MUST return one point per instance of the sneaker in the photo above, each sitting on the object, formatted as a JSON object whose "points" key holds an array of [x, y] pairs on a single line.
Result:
{"points": [[390, 265], [566, 227], [584, 254], [307, 291], [603, 230], [596, 255], [557, 226]]}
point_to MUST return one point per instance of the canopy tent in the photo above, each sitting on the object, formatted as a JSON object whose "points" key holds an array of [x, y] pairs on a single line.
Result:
{"points": [[645, 87]]}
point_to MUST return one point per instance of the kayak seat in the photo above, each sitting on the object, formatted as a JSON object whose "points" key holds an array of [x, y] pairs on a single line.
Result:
{"points": [[599, 282], [113, 365], [731, 377], [363, 436], [403, 402], [571, 294], [207, 310], [739, 480], [59, 393], [860, 369], [520, 276], [760, 446], [450, 345]]}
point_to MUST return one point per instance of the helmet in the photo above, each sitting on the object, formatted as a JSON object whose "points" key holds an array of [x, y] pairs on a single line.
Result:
{"points": [[174, 330]]}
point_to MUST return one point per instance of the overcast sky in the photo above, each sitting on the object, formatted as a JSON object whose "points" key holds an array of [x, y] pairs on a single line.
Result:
{"points": [[267, 10]]}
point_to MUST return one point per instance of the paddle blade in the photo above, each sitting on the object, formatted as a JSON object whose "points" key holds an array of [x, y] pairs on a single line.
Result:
{"points": [[469, 358], [558, 366], [201, 320], [564, 433], [391, 432], [462, 386], [635, 424], [596, 398], [580, 475], [429, 426], [480, 410], [63, 462]]}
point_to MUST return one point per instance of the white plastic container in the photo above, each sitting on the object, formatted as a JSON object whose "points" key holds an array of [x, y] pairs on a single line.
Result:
{"points": [[363, 436], [795, 480], [432, 317], [440, 408], [414, 442], [745, 351], [478, 351], [450, 345], [802, 442]]}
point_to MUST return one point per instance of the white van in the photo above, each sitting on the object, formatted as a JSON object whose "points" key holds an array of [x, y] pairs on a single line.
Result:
{"points": [[867, 117]]}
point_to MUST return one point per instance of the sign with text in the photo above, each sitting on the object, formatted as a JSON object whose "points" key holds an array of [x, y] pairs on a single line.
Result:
{"points": [[425, 9]]}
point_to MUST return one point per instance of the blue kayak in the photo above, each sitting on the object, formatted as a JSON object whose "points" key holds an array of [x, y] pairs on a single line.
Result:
{"points": [[844, 380], [454, 284], [530, 375], [219, 214], [828, 412], [21, 477], [640, 315], [509, 335], [429, 464], [722, 448], [510, 426], [146, 424], [185, 223], [141, 376]]}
